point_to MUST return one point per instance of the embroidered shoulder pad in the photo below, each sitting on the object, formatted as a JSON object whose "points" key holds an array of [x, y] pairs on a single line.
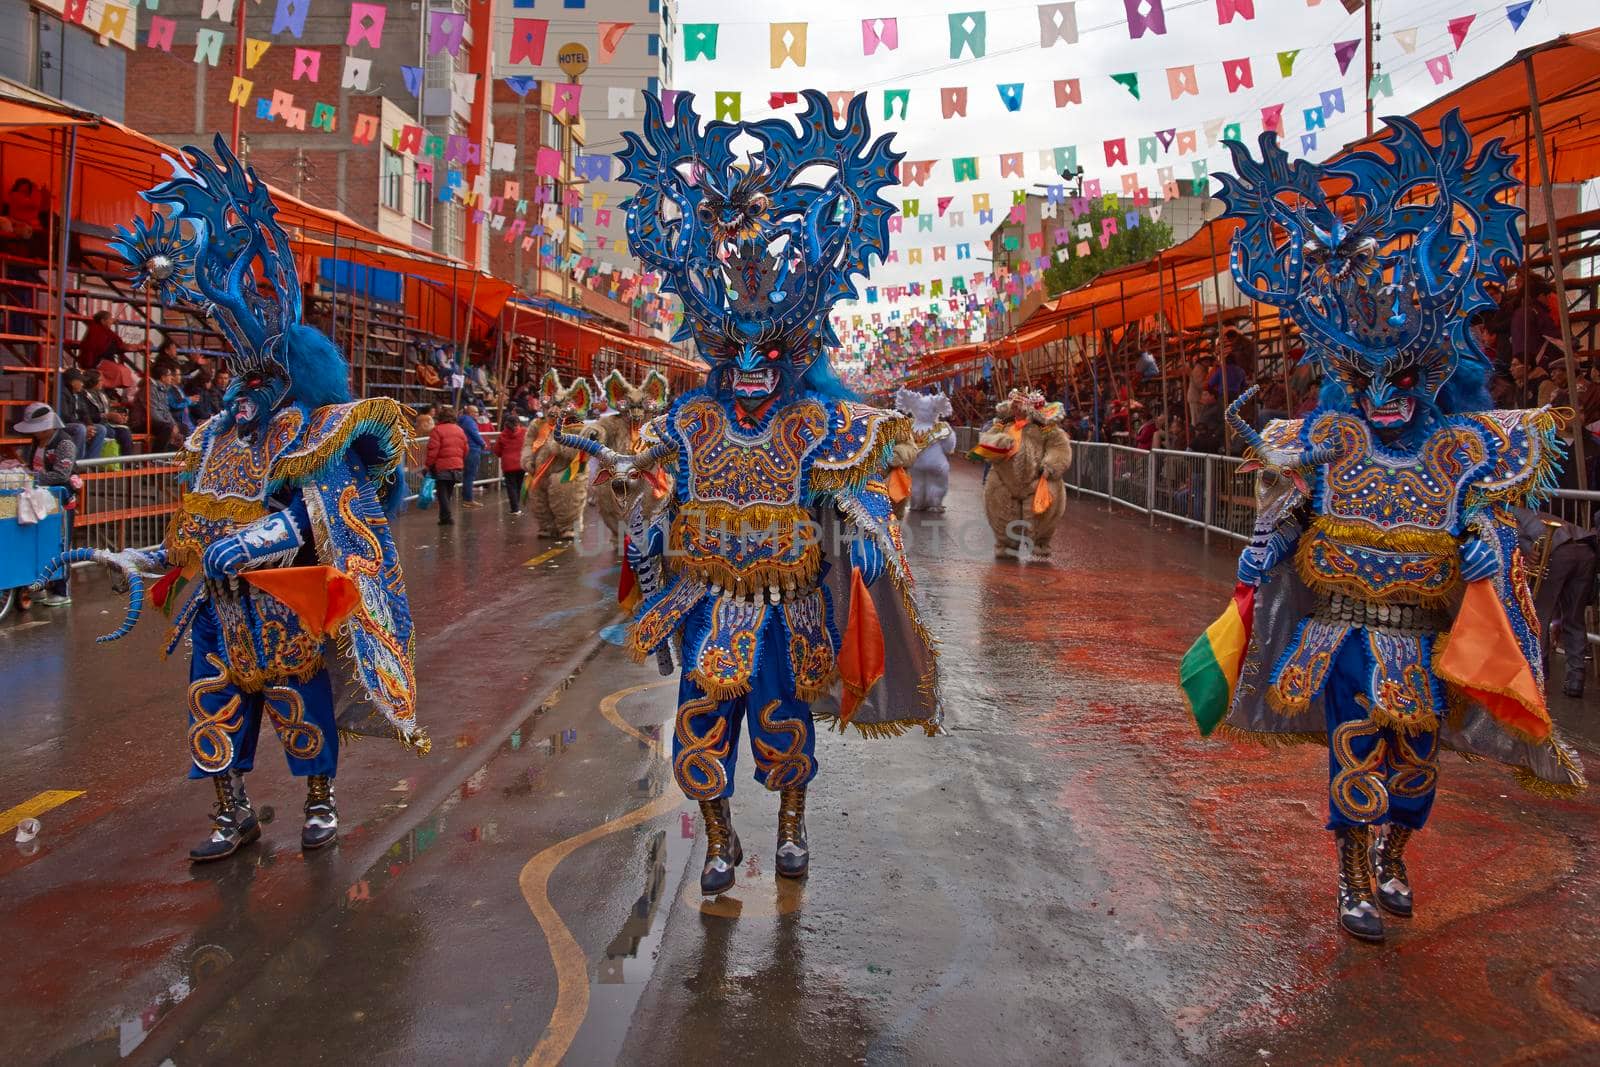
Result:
{"points": [[377, 429], [1527, 457], [858, 445]]}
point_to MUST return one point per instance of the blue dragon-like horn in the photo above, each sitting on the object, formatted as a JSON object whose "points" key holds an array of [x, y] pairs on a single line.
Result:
{"points": [[58, 567]]}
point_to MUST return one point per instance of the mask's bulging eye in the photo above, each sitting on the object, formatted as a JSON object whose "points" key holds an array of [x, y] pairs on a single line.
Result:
{"points": [[774, 354], [1404, 380], [706, 213]]}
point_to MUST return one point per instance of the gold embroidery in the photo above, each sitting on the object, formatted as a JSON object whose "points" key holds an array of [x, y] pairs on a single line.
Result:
{"points": [[789, 765], [301, 739], [211, 733], [698, 764], [1358, 791], [1412, 775]]}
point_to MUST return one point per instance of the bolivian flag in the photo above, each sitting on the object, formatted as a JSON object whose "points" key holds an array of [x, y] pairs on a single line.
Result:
{"points": [[1210, 669]]}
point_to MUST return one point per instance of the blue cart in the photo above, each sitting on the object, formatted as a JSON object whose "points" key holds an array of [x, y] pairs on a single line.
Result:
{"points": [[24, 550]]}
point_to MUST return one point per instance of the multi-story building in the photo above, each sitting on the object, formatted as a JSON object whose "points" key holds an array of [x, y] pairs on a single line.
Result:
{"points": [[72, 63], [178, 100], [624, 45]]}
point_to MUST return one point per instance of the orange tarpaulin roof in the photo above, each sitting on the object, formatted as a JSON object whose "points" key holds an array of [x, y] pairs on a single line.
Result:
{"points": [[1567, 73], [22, 108], [585, 339], [116, 164]]}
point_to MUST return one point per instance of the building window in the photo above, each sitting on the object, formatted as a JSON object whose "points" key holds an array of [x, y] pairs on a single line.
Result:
{"points": [[655, 7], [422, 202], [393, 181], [654, 86], [653, 44], [572, 4]]}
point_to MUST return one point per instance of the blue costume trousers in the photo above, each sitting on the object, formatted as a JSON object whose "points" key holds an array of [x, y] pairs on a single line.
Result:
{"points": [[705, 742], [1376, 774], [224, 720]]}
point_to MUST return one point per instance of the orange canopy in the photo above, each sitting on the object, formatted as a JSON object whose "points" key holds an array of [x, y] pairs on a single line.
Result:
{"points": [[1567, 75], [22, 108]]}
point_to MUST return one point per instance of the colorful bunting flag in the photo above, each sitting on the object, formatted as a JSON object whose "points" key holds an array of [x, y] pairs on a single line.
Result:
{"points": [[1129, 81], [1227, 9], [1145, 16], [1406, 39], [1439, 69], [1286, 62], [1068, 91], [967, 31], [1059, 23], [1344, 52], [879, 33], [787, 43], [1011, 95], [699, 41], [1238, 74], [611, 34], [1181, 82], [1515, 13], [1458, 28]]}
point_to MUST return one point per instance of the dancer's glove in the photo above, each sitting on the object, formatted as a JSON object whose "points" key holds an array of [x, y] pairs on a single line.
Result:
{"points": [[273, 539], [1252, 565], [866, 557], [1478, 560]]}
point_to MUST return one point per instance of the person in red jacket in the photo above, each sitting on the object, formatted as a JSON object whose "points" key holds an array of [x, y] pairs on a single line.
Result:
{"points": [[509, 448], [447, 457]]}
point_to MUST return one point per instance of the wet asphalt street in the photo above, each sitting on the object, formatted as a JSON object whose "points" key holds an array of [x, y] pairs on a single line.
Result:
{"points": [[1069, 877]]}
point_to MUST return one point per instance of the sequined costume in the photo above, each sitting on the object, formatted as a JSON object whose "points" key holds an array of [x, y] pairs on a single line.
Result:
{"points": [[558, 487], [1391, 613], [631, 407], [764, 568], [281, 535]]}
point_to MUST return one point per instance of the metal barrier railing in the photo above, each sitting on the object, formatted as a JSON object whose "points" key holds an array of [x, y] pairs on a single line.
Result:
{"points": [[1209, 492], [127, 500]]}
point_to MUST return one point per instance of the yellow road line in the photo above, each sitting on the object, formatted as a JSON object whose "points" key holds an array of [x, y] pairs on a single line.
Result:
{"points": [[37, 806], [608, 708], [546, 556], [572, 966]]}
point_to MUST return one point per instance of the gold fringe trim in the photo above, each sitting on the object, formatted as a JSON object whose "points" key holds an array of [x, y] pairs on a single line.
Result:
{"points": [[736, 579], [890, 429], [1279, 702], [1410, 725], [813, 693], [381, 417], [719, 690], [1267, 737], [737, 519], [203, 505], [1552, 790], [1401, 539], [1536, 480], [259, 679], [878, 729], [419, 741]]}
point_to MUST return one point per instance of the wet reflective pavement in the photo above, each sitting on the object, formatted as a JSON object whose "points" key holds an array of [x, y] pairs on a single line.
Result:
{"points": [[1069, 877]]}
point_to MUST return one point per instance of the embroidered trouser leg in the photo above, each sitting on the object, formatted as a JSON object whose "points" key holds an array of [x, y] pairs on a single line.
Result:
{"points": [[1376, 774], [705, 740], [224, 720]]}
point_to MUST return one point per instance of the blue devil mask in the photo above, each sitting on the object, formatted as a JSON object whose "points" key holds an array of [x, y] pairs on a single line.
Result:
{"points": [[1383, 274], [218, 247], [759, 228]]}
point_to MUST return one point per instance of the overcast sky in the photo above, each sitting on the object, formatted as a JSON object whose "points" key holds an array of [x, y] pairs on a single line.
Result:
{"points": [[922, 64]]}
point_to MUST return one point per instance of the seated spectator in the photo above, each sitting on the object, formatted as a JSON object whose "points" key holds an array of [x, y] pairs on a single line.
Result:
{"points": [[424, 423], [1207, 434], [166, 392], [100, 341], [214, 388], [80, 417], [52, 456], [117, 378], [112, 416], [1532, 321]]}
